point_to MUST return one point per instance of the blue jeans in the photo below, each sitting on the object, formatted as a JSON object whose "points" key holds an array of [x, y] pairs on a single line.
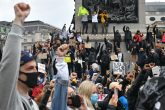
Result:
{"points": [[59, 101]]}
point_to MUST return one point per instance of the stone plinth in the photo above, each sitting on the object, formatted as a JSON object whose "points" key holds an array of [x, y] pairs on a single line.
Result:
{"points": [[133, 26]]}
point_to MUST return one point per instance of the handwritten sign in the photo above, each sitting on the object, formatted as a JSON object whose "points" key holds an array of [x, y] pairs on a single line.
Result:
{"points": [[41, 68], [156, 71], [118, 68]]}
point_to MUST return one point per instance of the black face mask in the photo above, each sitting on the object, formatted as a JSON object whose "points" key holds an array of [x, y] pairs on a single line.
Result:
{"points": [[76, 101], [32, 79]]}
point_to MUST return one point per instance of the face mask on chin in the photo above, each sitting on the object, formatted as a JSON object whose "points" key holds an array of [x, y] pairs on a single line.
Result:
{"points": [[32, 79]]}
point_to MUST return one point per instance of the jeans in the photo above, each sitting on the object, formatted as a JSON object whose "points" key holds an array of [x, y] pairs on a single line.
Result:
{"points": [[104, 28], [59, 101], [85, 27], [94, 28], [128, 44]]}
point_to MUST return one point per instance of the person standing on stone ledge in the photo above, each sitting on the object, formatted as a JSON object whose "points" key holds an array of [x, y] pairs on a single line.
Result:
{"points": [[95, 22], [117, 39], [104, 22], [128, 37]]}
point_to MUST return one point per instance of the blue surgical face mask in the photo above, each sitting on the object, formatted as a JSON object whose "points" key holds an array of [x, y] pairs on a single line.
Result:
{"points": [[94, 98]]}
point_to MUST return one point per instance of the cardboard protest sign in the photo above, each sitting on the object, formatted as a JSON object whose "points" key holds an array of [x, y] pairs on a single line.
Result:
{"points": [[118, 68], [72, 42], [42, 56], [41, 68], [114, 57], [88, 45]]}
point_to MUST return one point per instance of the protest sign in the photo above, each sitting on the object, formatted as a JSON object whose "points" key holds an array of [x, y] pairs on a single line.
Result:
{"points": [[41, 68], [88, 45], [72, 42], [114, 57], [118, 68], [42, 56], [156, 71]]}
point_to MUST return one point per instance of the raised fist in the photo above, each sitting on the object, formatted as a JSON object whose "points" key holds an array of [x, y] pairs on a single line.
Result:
{"points": [[22, 10], [62, 50]]}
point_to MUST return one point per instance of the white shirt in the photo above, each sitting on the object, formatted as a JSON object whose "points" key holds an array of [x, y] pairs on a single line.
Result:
{"points": [[84, 18], [120, 55], [94, 18]]}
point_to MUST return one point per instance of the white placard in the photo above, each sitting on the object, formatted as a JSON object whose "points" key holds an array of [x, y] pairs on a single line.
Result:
{"points": [[118, 68], [156, 71], [41, 68]]}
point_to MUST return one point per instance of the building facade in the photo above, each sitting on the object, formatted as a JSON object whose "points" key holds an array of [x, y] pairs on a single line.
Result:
{"points": [[155, 12], [34, 31]]}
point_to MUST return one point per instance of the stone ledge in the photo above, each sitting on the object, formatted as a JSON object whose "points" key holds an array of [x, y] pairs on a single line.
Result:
{"points": [[100, 37]]}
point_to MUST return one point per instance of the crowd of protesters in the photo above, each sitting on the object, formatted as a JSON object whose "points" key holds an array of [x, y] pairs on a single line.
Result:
{"points": [[67, 73]]}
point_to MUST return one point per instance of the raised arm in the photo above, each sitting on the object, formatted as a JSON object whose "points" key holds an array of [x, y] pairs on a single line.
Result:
{"points": [[148, 27], [70, 29], [154, 29], [60, 95], [124, 29], [114, 29], [98, 9], [10, 63]]}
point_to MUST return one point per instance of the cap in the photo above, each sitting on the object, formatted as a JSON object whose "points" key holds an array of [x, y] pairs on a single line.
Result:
{"points": [[26, 57]]}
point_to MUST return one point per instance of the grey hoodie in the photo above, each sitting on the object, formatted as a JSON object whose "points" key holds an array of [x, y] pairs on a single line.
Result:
{"points": [[10, 99]]}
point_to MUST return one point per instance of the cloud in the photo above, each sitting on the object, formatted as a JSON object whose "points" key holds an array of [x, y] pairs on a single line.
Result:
{"points": [[53, 12]]}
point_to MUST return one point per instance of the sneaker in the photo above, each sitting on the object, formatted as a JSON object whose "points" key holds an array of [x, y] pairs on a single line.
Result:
{"points": [[96, 34]]}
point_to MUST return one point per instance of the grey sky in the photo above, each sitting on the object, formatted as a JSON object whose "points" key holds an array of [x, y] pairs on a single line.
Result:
{"points": [[54, 12]]}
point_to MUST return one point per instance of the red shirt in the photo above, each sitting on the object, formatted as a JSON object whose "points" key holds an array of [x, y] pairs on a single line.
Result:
{"points": [[37, 90], [163, 38], [138, 37]]}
